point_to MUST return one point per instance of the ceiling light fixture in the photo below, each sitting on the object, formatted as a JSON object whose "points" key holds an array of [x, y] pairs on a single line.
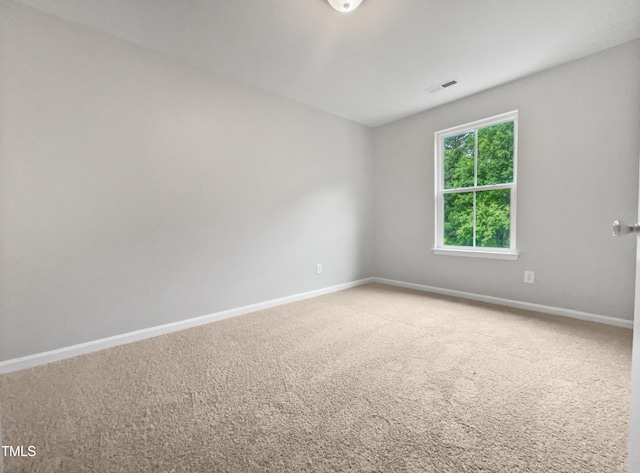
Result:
{"points": [[345, 6]]}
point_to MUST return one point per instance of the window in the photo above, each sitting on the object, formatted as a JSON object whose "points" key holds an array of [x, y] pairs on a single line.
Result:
{"points": [[476, 188]]}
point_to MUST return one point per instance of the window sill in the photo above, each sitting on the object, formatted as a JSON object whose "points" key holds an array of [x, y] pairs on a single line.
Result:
{"points": [[476, 253]]}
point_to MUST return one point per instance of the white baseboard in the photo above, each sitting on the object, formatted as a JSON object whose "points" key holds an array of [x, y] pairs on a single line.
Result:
{"points": [[17, 364], [574, 314]]}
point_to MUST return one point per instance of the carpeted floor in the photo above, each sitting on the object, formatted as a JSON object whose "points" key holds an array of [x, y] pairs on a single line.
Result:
{"points": [[368, 379]]}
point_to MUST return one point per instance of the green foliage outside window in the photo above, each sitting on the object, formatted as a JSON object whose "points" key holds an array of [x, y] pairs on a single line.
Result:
{"points": [[493, 165]]}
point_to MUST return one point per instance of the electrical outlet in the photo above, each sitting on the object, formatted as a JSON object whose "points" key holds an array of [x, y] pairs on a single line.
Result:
{"points": [[319, 268], [529, 277]]}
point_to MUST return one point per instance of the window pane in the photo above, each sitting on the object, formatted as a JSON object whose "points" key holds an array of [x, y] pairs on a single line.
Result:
{"points": [[493, 218], [459, 160], [458, 219], [495, 154]]}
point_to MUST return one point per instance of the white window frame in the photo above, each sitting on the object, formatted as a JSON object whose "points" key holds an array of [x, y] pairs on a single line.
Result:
{"points": [[440, 248]]}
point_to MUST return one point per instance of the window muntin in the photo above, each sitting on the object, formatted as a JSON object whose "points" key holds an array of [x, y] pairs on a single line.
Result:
{"points": [[476, 186]]}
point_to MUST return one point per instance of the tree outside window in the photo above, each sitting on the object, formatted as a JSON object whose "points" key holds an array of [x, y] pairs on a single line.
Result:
{"points": [[475, 178]]}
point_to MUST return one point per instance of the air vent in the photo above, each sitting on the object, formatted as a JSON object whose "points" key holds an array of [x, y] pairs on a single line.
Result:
{"points": [[444, 85]]}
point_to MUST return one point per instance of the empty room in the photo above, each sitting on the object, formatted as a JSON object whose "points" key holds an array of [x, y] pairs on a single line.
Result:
{"points": [[319, 236]]}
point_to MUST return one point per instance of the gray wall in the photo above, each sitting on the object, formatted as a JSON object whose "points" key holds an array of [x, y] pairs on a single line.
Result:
{"points": [[136, 191], [579, 126]]}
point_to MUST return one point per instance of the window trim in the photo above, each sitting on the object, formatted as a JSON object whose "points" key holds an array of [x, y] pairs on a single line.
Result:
{"points": [[440, 248]]}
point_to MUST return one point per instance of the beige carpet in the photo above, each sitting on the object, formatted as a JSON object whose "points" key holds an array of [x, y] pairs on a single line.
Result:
{"points": [[368, 379]]}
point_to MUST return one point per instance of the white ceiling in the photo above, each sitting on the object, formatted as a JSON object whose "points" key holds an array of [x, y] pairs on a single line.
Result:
{"points": [[371, 65]]}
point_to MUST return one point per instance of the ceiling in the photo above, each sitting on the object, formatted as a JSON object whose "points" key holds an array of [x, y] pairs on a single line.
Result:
{"points": [[374, 64]]}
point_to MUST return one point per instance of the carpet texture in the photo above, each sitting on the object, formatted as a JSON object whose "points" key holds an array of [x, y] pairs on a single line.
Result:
{"points": [[371, 379]]}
